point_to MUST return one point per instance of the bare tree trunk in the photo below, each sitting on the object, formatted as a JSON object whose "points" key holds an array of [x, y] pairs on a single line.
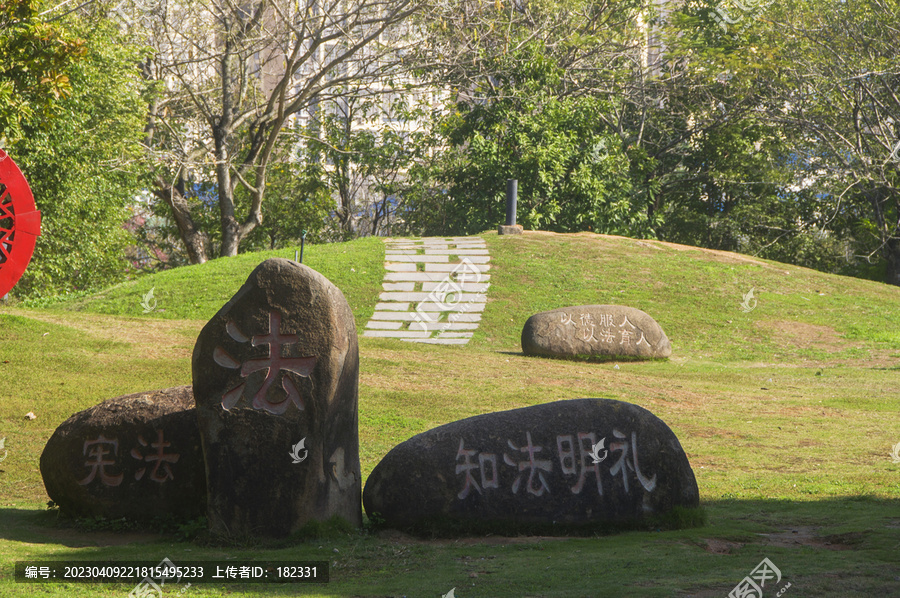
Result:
{"points": [[253, 65], [379, 212], [891, 253], [345, 212], [880, 199], [345, 171], [230, 237], [231, 230], [195, 242]]}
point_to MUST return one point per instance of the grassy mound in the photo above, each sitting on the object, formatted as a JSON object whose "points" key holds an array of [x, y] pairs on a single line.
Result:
{"points": [[787, 412], [198, 292]]}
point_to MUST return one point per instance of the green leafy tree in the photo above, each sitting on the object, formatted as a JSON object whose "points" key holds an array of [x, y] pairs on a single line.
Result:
{"points": [[572, 173], [298, 202], [366, 144], [799, 168], [613, 117], [83, 165], [535, 90], [728, 172], [840, 100], [620, 118], [35, 57]]}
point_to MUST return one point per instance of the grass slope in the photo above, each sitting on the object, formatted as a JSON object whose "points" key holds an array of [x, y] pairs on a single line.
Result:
{"points": [[198, 292], [787, 413]]}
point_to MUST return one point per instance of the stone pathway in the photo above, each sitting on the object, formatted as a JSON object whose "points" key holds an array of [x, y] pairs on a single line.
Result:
{"points": [[427, 297]]}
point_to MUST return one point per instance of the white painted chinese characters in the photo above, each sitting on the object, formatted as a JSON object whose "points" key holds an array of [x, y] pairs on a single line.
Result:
{"points": [[590, 330], [533, 465]]}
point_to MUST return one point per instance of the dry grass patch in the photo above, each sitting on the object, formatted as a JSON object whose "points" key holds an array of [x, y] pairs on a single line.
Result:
{"points": [[152, 338]]}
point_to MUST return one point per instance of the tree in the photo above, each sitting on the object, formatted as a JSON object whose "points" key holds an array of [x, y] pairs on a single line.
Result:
{"points": [[841, 98], [35, 57], [366, 143], [333, 139], [572, 173], [297, 202], [534, 86], [620, 118], [390, 158], [234, 75], [615, 115], [82, 164]]}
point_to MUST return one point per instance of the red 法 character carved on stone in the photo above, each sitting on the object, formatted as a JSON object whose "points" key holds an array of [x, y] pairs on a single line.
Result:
{"points": [[160, 457], [274, 363]]}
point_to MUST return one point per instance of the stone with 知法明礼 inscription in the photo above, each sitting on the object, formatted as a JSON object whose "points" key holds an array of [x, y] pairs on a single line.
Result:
{"points": [[570, 463]]}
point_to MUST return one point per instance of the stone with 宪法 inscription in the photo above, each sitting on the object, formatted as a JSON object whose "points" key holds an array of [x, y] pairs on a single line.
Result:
{"points": [[136, 456]]}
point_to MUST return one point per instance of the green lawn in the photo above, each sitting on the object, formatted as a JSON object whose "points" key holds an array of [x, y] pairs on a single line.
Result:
{"points": [[198, 292], [787, 413]]}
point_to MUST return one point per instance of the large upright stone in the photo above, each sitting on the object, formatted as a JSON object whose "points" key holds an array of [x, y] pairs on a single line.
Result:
{"points": [[136, 456], [560, 465], [276, 384], [595, 331]]}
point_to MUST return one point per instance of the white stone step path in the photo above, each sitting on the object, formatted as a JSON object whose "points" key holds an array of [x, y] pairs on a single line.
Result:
{"points": [[427, 297]]}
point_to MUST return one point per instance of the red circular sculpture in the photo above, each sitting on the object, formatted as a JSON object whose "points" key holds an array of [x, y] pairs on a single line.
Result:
{"points": [[20, 223]]}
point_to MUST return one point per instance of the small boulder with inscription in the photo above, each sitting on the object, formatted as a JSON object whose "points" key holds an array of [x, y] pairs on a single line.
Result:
{"points": [[595, 331], [575, 463], [136, 456], [276, 382]]}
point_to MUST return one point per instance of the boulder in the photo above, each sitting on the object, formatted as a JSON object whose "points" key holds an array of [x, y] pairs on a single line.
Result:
{"points": [[569, 463], [276, 383], [510, 229], [595, 331], [136, 456]]}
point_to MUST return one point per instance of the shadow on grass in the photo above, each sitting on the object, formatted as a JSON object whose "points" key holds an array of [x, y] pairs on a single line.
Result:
{"points": [[842, 546], [49, 526], [442, 527], [587, 358], [735, 519]]}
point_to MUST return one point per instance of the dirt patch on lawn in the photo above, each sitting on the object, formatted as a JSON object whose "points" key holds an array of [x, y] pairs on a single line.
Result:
{"points": [[812, 336], [806, 336], [390, 535], [807, 536], [716, 546], [155, 338], [796, 537]]}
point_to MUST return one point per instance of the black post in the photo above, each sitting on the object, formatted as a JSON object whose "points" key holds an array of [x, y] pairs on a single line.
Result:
{"points": [[302, 242], [512, 191]]}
